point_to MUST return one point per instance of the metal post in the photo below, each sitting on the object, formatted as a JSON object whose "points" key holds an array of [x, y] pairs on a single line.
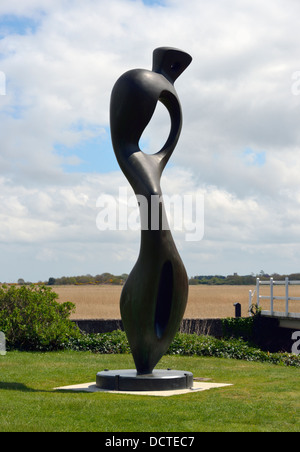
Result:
{"points": [[238, 310], [286, 297], [271, 296], [257, 291]]}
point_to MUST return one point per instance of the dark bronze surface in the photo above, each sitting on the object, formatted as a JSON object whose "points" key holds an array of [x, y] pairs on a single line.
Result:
{"points": [[154, 298], [159, 380]]}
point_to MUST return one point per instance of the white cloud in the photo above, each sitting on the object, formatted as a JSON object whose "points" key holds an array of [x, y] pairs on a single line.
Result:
{"points": [[239, 144]]}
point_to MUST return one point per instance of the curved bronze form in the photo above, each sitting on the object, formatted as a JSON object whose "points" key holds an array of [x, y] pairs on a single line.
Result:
{"points": [[154, 298]]}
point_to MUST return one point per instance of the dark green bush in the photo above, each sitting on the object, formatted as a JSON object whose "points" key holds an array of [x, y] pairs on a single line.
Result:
{"points": [[32, 319], [106, 343], [185, 345], [243, 327], [238, 328], [193, 345]]}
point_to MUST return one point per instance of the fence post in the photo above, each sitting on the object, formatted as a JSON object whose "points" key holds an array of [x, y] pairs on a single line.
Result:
{"points": [[257, 291], [238, 310], [250, 303], [286, 297], [271, 296]]}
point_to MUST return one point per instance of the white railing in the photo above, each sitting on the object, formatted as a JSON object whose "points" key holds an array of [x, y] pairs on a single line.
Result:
{"points": [[286, 283]]}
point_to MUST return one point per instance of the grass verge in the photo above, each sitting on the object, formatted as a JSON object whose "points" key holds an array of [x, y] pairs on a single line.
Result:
{"points": [[265, 397]]}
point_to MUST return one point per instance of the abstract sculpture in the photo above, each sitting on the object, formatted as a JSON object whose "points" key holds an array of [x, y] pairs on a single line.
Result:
{"points": [[154, 298]]}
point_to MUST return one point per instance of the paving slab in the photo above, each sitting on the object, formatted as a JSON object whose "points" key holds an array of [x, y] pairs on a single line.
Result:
{"points": [[91, 388]]}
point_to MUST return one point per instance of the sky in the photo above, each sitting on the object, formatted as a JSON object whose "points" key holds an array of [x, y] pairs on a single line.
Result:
{"points": [[239, 150]]}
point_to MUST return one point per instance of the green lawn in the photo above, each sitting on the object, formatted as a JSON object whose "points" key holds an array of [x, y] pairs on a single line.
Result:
{"points": [[264, 397]]}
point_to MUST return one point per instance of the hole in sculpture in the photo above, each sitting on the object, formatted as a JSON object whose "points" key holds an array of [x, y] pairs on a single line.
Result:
{"points": [[164, 299], [157, 131]]}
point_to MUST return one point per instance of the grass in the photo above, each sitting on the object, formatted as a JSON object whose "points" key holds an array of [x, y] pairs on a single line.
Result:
{"points": [[264, 398]]}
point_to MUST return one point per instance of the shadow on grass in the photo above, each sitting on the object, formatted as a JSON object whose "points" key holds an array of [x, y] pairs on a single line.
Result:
{"points": [[12, 386], [17, 387]]}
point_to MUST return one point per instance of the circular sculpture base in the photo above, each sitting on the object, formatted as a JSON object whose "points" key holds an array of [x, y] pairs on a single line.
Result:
{"points": [[129, 380]]}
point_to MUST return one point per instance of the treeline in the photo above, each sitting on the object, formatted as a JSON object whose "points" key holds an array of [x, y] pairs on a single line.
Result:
{"points": [[109, 278], [104, 278], [217, 280], [236, 280]]}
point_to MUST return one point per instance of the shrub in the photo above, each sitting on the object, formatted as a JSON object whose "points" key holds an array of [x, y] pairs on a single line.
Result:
{"points": [[193, 345], [239, 328], [106, 343], [185, 345], [243, 327], [32, 319]]}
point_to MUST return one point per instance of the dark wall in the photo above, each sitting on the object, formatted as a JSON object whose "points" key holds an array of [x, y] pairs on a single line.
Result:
{"points": [[99, 326], [269, 336], [211, 327]]}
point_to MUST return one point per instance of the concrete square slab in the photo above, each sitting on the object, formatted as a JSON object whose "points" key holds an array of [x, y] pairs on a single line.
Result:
{"points": [[91, 387]]}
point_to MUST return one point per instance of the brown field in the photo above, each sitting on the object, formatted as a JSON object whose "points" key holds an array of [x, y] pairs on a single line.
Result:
{"points": [[102, 302]]}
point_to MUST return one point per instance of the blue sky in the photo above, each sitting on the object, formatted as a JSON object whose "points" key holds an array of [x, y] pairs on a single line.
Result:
{"points": [[254, 158], [13, 24], [95, 155], [239, 145], [154, 2]]}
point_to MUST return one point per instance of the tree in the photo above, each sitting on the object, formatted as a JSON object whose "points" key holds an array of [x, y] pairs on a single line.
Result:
{"points": [[51, 281]]}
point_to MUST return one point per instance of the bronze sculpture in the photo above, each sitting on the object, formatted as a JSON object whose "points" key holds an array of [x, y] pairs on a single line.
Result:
{"points": [[154, 298]]}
